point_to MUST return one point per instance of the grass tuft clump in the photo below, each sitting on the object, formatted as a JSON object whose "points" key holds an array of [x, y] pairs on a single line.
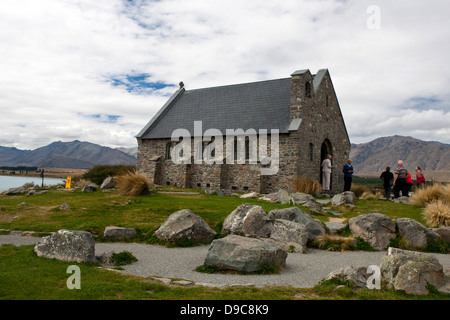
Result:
{"points": [[437, 213], [334, 242], [133, 184], [305, 185], [122, 258], [430, 193]]}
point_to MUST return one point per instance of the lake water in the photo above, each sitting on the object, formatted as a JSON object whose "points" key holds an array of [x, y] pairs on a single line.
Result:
{"points": [[7, 182]]}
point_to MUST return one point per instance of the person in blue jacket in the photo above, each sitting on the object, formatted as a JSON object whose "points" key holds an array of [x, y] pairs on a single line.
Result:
{"points": [[348, 175]]}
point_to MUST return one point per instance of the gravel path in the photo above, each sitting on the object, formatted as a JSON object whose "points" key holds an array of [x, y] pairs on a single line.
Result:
{"points": [[301, 271]]}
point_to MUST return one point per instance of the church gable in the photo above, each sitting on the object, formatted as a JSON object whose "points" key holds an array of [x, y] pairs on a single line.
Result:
{"points": [[303, 109]]}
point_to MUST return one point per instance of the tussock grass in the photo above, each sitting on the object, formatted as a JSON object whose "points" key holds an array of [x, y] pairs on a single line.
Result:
{"points": [[305, 185], [359, 190], [430, 193], [133, 184], [334, 242], [437, 213]]}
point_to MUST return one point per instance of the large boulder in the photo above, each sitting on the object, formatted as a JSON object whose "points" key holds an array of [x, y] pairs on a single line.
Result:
{"points": [[257, 223], [185, 225], [290, 234], [301, 198], [244, 254], [68, 245], [356, 274], [314, 227], [343, 198], [444, 232], [375, 228], [416, 234], [249, 220], [411, 271], [113, 232], [108, 183], [281, 196]]}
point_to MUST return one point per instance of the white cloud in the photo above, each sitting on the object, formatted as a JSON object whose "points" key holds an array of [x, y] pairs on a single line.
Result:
{"points": [[59, 58]]}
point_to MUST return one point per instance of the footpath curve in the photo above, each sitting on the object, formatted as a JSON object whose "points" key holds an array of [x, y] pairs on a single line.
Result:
{"points": [[301, 271]]}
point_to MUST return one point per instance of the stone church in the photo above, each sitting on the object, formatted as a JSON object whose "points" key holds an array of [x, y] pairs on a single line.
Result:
{"points": [[300, 114]]}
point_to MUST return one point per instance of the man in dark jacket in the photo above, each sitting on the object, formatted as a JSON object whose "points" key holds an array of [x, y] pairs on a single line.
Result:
{"points": [[388, 180], [348, 175]]}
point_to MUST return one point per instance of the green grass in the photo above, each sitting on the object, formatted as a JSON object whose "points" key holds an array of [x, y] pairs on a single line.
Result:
{"points": [[23, 275]]}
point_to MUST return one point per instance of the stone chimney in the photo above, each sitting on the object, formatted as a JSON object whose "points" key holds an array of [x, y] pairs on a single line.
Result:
{"points": [[302, 93]]}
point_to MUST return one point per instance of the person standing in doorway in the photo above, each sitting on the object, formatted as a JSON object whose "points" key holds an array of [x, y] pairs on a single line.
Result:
{"points": [[326, 170], [348, 175], [388, 180]]}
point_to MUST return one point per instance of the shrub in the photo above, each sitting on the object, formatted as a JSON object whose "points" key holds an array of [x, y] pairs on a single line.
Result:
{"points": [[305, 185], [122, 258], [133, 184], [437, 213], [99, 173]]}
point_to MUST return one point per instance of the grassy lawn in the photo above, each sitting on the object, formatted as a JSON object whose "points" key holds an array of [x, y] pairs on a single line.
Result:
{"points": [[23, 275]]}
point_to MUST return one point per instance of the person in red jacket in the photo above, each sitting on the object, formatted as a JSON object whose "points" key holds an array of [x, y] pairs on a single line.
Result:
{"points": [[409, 184], [419, 176]]}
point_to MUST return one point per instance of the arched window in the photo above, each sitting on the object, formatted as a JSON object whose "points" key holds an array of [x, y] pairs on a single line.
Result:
{"points": [[308, 89], [169, 147]]}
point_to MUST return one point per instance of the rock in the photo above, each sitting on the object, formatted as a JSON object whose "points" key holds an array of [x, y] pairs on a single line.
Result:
{"points": [[64, 206], [185, 225], [411, 271], [301, 198], [22, 204], [343, 198], [402, 199], [313, 206], [314, 227], [416, 234], [108, 183], [68, 245], [290, 233], [257, 224], [444, 232], [90, 188], [234, 222], [282, 196], [356, 274], [323, 201], [249, 195], [334, 227], [114, 232], [13, 191], [375, 228], [244, 254], [223, 193]]}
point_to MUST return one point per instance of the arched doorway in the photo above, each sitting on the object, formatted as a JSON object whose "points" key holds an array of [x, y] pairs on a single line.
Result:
{"points": [[325, 150]]}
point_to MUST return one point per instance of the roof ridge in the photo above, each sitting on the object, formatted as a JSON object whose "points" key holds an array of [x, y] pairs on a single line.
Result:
{"points": [[237, 84]]}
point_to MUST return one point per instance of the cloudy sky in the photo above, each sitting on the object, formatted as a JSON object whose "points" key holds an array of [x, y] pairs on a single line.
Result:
{"points": [[99, 70]]}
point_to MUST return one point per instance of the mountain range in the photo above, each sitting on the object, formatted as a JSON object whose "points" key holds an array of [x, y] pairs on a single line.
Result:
{"points": [[74, 155], [371, 158]]}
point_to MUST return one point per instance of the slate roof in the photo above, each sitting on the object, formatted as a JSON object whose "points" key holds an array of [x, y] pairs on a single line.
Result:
{"points": [[256, 105]]}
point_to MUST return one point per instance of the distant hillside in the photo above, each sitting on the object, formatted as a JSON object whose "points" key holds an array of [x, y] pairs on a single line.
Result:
{"points": [[371, 158], [75, 155]]}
